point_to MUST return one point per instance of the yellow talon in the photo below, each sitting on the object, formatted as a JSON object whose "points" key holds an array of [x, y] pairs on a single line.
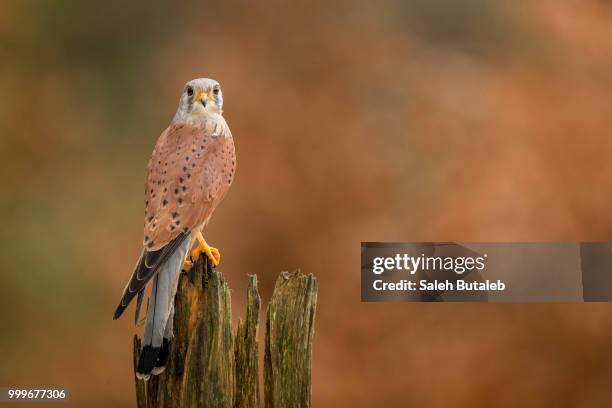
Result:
{"points": [[216, 256], [213, 253], [187, 264]]}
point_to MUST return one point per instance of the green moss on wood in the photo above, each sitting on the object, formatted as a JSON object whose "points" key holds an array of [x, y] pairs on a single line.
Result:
{"points": [[200, 372], [209, 367], [288, 347], [247, 350]]}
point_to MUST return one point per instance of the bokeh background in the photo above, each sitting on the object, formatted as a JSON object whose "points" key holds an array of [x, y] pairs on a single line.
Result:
{"points": [[470, 120]]}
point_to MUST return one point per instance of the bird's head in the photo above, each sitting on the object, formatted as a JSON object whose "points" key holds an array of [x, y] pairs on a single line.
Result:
{"points": [[200, 97]]}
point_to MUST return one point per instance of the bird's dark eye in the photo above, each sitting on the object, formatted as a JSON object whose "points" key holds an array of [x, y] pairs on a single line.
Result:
{"points": [[189, 91], [216, 91]]}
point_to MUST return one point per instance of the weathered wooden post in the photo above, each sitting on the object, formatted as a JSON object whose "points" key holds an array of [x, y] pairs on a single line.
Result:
{"points": [[289, 333], [200, 371], [246, 352], [209, 367]]}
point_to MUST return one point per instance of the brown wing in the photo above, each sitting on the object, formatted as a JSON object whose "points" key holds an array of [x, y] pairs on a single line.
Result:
{"points": [[190, 171]]}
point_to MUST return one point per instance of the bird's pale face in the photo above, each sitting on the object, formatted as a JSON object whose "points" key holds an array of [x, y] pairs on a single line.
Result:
{"points": [[200, 97]]}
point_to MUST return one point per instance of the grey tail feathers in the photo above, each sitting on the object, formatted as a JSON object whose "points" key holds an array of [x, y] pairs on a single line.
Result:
{"points": [[138, 305], [158, 325], [146, 268], [166, 348]]}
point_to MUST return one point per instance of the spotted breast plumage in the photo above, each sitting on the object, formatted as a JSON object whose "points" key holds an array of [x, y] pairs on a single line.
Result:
{"points": [[189, 173]]}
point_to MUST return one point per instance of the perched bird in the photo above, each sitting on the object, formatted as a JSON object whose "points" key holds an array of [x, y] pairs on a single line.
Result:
{"points": [[190, 171]]}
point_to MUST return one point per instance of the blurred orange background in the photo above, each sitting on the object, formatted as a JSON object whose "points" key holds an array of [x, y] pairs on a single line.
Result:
{"points": [[354, 121]]}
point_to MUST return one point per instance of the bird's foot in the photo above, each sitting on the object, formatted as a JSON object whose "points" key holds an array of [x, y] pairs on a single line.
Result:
{"points": [[211, 252], [187, 264]]}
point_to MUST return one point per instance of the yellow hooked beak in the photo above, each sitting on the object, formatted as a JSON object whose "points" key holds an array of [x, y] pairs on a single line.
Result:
{"points": [[203, 97]]}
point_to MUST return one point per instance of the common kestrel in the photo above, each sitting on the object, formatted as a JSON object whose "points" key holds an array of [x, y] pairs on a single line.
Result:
{"points": [[190, 171]]}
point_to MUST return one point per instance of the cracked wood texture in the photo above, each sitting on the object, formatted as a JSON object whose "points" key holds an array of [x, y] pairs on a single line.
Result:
{"points": [[288, 348], [246, 352], [210, 367]]}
